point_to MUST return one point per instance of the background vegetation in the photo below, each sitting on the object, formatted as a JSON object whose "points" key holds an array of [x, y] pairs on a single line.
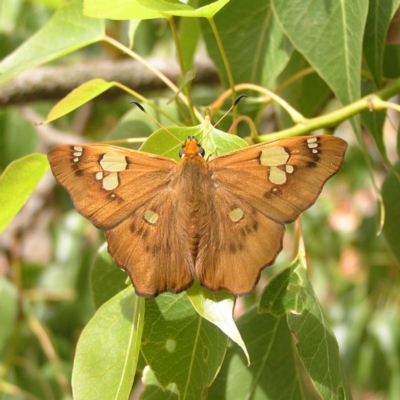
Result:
{"points": [[335, 64]]}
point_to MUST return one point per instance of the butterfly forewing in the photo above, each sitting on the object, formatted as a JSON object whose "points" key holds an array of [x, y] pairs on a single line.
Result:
{"points": [[221, 221], [280, 179]]}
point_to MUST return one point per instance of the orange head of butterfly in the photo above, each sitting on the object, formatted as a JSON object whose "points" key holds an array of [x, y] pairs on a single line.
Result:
{"points": [[191, 148]]}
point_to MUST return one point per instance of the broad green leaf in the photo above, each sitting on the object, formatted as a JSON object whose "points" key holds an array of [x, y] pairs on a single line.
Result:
{"points": [[374, 121], [153, 389], [119, 9], [329, 36], [315, 342], [391, 62], [79, 96], [215, 143], [9, 12], [177, 8], [189, 35], [108, 349], [181, 347], [258, 52], [106, 279], [66, 32], [8, 310], [273, 373], [17, 183], [307, 95], [380, 13], [218, 309], [391, 196], [142, 9]]}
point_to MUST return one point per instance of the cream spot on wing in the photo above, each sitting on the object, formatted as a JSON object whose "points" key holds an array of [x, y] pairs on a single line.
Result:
{"points": [[151, 217], [110, 182], [236, 214], [113, 163], [77, 153], [312, 144], [274, 156], [277, 176], [170, 345], [289, 169]]}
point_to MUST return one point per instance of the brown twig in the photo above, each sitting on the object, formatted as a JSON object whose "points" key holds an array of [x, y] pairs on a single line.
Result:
{"points": [[53, 83]]}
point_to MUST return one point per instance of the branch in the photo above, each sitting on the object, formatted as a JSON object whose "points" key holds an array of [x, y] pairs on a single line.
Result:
{"points": [[53, 83]]}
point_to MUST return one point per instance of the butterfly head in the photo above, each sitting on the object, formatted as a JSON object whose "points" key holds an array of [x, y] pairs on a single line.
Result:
{"points": [[191, 148]]}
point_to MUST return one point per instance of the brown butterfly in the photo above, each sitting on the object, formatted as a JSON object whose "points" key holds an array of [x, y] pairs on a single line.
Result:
{"points": [[220, 221]]}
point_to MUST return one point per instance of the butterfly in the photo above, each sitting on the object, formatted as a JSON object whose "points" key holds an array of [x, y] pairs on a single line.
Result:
{"points": [[220, 221]]}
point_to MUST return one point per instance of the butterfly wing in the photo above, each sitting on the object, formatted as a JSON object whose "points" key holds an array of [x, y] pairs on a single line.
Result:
{"points": [[258, 190], [126, 193]]}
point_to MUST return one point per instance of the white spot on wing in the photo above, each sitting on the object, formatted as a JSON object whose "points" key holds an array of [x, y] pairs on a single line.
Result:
{"points": [[277, 176], [110, 182], [312, 144], [151, 217], [113, 162], [274, 156], [236, 214]]}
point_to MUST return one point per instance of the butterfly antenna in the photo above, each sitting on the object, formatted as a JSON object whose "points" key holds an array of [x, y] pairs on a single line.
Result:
{"points": [[235, 103], [141, 108]]}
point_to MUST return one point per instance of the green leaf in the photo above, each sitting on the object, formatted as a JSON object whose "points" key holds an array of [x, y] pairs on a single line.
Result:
{"points": [[119, 9], [181, 347], [329, 36], [177, 8], [259, 51], [273, 373], [315, 342], [153, 389], [106, 279], [108, 349], [66, 32], [374, 121], [307, 95], [17, 183], [218, 309], [8, 311], [79, 96], [391, 196], [379, 16], [215, 142], [142, 9]]}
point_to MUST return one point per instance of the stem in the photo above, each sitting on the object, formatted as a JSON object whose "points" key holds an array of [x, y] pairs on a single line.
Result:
{"points": [[162, 77], [144, 100], [225, 61], [186, 87]]}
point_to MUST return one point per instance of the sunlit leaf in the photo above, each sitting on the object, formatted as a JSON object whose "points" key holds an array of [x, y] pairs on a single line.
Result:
{"points": [[67, 31], [108, 349], [17, 183], [218, 309], [79, 96], [181, 347]]}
